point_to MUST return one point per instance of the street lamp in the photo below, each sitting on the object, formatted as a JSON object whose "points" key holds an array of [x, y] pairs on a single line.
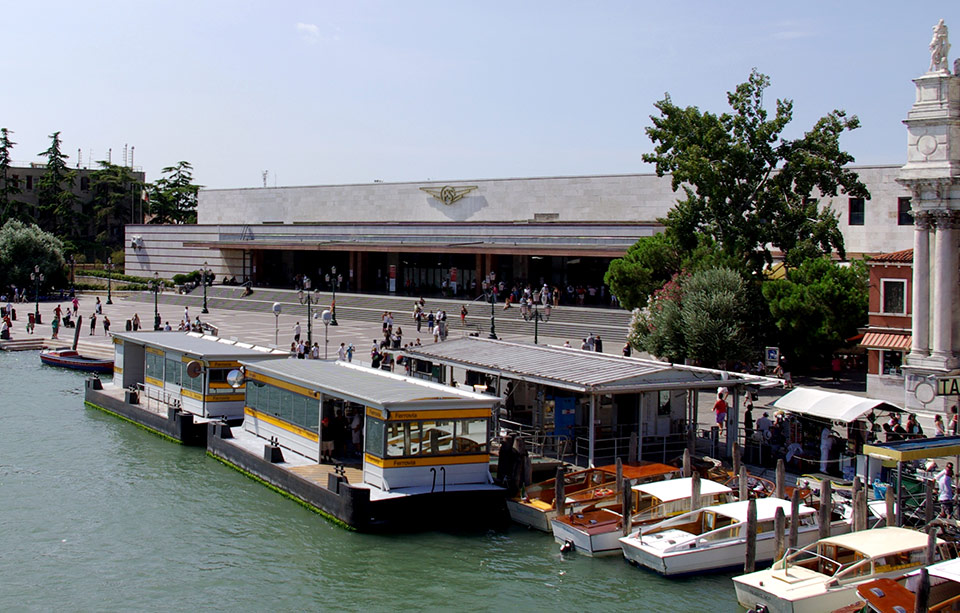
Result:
{"points": [[156, 285], [327, 318], [109, 268], [491, 297], [38, 279], [276, 322], [537, 316], [334, 282], [204, 273], [308, 299], [73, 276]]}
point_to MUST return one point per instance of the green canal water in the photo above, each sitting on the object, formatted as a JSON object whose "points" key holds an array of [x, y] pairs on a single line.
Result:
{"points": [[97, 514]]}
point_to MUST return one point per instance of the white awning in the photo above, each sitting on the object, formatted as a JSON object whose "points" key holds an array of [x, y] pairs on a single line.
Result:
{"points": [[830, 405]]}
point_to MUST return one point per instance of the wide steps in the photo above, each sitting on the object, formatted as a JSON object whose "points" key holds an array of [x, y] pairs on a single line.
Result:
{"points": [[26, 344]]}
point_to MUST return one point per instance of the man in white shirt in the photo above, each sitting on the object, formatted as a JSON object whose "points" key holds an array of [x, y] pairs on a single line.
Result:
{"points": [[944, 480], [763, 425]]}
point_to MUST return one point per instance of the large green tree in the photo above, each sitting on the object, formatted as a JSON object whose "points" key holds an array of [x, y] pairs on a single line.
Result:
{"points": [[746, 186], [8, 188], [115, 193], [817, 307], [702, 317], [647, 265], [24, 246], [173, 198], [56, 201]]}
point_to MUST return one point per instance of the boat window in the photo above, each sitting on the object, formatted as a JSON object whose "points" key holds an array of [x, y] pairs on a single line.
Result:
{"points": [[899, 560], [764, 526]]}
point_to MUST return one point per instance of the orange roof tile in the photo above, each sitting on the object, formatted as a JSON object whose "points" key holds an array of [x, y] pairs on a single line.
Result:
{"points": [[884, 340], [904, 256]]}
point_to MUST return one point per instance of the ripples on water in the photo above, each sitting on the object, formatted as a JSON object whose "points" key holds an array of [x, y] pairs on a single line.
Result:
{"points": [[96, 514]]}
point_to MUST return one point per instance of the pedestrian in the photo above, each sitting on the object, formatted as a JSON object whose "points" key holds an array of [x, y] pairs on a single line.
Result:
{"points": [[76, 306], [93, 323], [913, 427], [598, 344], [826, 442], [463, 315], [944, 481], [836, 366], [747, 418], [106, 326], [720, 411], [418, 316], [952, 426], [327, 437], [938, 428], [166, 327], [296, 332], [430, 320], [436, 334], [566, 344], [186, 314], [342, 352], [136, 322], [627, 350], [356, 432], [55, 326], [350, 350], [315, 351], [99, 306]]}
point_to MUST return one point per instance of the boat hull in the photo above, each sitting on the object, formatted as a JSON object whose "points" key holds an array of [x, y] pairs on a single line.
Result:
{"points": [[598, 544], [528, 515], [76, 362]]}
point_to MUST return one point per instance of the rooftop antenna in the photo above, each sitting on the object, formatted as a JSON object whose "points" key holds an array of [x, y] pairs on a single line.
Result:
{"points": [[124, 154], [132, 147], [110, 155], [79, 155], [264, 173]]}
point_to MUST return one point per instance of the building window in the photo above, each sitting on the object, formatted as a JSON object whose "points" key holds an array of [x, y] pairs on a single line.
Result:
{"points": [[85, 183], [29, 183], [904, 218], [855, 217], [893, 296], [890, 362]]}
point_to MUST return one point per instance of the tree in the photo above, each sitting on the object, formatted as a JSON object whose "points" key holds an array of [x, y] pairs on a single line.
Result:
{"points": [[173, 198], [115, 192], [8, 188], [817, 307], [747, 187], [56, 200], [702, 317], [647, 265], [24, 246]]}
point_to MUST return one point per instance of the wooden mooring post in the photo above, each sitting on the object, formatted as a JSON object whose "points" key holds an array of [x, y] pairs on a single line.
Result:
{"points": [[627, 523], [744, 485], [736, 458], [826, 505], [794, 519], [619, 478], [922, 602], [779, 530], [687, 463], [781, 479], [695, 492], [891, 511], [928, 502], [750, 563], [559, 495]]}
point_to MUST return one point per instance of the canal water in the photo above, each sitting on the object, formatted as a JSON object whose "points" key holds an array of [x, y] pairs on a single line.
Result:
{"points": [[97, 514]]}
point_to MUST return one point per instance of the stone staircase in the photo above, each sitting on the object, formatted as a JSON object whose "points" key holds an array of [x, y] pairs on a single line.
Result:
{"points": [[573, 323]]}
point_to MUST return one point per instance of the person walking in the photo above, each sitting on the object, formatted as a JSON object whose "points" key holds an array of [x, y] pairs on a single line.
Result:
{"points": [[463, 315], [55, 326], [938, 428], [342, 352], [93, 323], [944, 480], [627, 350], [106, 326], [296, 332], [136, 322], [720, 411]]}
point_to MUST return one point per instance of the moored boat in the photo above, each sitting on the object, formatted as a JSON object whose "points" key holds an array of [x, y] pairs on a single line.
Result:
{"points": [[68, 358], [824, 575], [715, 538], [581, 488], [596, 530]]}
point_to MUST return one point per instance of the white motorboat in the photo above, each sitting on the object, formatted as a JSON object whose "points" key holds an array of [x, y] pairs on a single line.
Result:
{"points": [[715, 538], [824, 575], [596, 531]]}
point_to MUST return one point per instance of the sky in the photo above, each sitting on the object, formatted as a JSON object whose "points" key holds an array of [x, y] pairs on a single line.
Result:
{"points": [[320, 92]]}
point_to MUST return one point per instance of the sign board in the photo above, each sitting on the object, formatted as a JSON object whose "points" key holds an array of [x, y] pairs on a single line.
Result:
{"points": [[771, 357], [948, 386]]}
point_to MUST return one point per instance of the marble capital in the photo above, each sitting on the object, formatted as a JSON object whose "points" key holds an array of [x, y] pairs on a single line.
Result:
{"points": [[946, 220]]}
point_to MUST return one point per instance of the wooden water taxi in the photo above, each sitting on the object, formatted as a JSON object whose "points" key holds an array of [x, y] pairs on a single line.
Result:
{"points": [[714, 538], [537, 506], [596, 530], [884, 595], [825, 575], [69, 358]]}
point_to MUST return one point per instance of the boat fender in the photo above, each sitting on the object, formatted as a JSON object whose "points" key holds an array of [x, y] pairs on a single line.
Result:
{"points": [[567, 547]]}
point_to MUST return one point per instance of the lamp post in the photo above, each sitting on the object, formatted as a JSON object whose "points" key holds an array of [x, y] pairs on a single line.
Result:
{"points": [[491, 297], [536, 315], [203, 279], [109, 268], [334, 282], [276, 322], [156, 290], [73, 276], [326, 317], [307, 298], [37, 278]]}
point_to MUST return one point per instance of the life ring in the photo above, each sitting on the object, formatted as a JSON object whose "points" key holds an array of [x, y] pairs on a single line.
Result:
{"points": [[601, 492]]}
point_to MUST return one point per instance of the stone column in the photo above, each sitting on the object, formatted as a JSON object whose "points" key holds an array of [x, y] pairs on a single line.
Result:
{"points": [[920, 347], [945, 280]]}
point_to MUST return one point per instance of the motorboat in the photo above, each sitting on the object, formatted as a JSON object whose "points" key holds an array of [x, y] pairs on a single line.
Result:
{"points": [[596, 530], [715, 538], [69, 358], [884, 594], [824, 575], [536, 505]]}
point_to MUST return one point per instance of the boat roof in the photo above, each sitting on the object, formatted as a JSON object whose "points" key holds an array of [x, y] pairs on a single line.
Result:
{"points": [[204, 346], [880, 541], [766, 509], [678, 489], [372, 387], [833, 406], [915, 449]]}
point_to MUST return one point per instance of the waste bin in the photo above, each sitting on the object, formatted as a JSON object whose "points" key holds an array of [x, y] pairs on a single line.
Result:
{"points": [[39, 318], [13, 314], [129, 325]]}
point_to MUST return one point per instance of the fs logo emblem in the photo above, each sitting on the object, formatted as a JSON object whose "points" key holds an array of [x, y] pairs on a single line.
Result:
{"points": [[449, 194]]}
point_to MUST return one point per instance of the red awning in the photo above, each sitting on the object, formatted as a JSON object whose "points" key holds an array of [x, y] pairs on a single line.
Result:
{"points": [[882, 340]]}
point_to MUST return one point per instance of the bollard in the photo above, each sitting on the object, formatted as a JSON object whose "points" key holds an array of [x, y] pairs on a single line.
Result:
{"points": [[781, 479], [744, 484], [826, 491], [794, 519], [559, 495], [687, 465], [750, 563], [891, 511], [780, 538]]}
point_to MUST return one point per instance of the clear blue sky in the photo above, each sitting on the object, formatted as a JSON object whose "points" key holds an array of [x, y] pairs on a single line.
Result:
{"points": [[320, 92]]}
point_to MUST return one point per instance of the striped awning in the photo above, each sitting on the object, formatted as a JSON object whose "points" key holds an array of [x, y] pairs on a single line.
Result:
{"points": [[886, 340]]}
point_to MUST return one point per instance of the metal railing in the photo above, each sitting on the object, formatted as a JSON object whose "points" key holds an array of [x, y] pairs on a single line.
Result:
{"points": [[556, 446], [163, 401]]}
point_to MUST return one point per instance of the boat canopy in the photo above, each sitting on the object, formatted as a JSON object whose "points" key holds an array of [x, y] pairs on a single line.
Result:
{"points": [[678, 489], [833, 406], [766, 509], [915, 449], [880, 541], [948, 570]]}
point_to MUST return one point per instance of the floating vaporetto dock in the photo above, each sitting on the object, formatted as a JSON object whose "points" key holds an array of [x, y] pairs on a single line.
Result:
{"points": [[425, 451]]}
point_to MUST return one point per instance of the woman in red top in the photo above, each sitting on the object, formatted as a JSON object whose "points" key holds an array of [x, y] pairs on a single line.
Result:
{"points": [[720, 409]]}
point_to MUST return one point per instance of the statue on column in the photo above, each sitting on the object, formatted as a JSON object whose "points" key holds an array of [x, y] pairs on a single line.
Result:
{"points": [[939, 48]]}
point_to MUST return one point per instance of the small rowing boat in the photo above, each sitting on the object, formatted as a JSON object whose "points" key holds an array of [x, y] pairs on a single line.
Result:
{"points": [[71, 358]]}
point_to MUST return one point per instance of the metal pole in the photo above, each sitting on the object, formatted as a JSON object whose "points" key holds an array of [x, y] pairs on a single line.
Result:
{"points": [[536, 322], [592, 431], [493, 330], [36, 291], [326, 339], [276, 327], [333, 305], [310, 321], [109, 280], [203, 280], [156, 310]]}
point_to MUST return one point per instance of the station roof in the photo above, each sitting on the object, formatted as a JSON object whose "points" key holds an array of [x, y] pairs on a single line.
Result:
{"points": [[915, 449], [833, 406], [368, 386], [204, 346], [575, 369]]}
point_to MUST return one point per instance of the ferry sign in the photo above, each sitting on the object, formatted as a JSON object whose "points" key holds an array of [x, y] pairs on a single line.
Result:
{"points": [[948, 386]]}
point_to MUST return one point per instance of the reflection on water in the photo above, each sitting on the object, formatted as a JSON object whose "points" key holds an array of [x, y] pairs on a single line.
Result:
{"points": [[99, 514]]}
